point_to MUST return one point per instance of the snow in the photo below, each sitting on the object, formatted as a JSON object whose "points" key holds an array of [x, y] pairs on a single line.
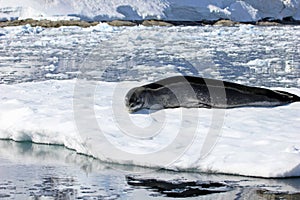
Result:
{"points": [[248, 10], [249, 141], [241, 11]]}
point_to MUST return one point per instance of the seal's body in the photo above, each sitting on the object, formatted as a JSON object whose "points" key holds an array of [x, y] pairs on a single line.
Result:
{"points": [[196, 92]]}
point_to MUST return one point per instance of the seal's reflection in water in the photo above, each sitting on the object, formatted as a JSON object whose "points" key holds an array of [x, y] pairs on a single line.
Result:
{"points": [[33, 171]]}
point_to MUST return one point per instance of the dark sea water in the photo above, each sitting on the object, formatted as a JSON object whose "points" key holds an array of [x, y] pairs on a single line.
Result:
{"points": [[35, 171]]}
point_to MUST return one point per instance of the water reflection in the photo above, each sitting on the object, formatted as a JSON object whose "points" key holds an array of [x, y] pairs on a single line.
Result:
{"points": [[36, 171]]}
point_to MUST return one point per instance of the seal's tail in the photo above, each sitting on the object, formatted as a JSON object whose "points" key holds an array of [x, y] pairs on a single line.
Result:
{"points": [[296, 98], [292, 97]]}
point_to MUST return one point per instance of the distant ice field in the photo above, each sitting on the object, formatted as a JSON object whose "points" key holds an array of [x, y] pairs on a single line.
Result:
{"points": [[259, 56], [67, 85]]}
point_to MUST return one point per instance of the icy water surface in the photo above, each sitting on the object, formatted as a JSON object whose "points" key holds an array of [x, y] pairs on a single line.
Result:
{"points": [[261, 56]]}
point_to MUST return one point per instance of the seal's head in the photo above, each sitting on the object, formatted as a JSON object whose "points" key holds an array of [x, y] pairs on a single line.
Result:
{"points": [[135, 99]]}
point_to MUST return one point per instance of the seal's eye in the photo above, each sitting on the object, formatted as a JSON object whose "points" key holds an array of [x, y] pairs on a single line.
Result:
{"points": [[138, 101]]}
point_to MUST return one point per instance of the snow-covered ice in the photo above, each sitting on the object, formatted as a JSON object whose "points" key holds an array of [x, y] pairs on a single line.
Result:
{"points": [[249, 141]]}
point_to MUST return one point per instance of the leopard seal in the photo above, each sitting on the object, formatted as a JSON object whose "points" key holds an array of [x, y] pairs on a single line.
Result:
{"points": [[198, 92]]}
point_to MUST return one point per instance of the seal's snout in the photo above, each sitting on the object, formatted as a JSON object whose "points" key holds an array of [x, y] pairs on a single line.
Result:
{"points": [[134, 100], [129, 105], [135, 105]]}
